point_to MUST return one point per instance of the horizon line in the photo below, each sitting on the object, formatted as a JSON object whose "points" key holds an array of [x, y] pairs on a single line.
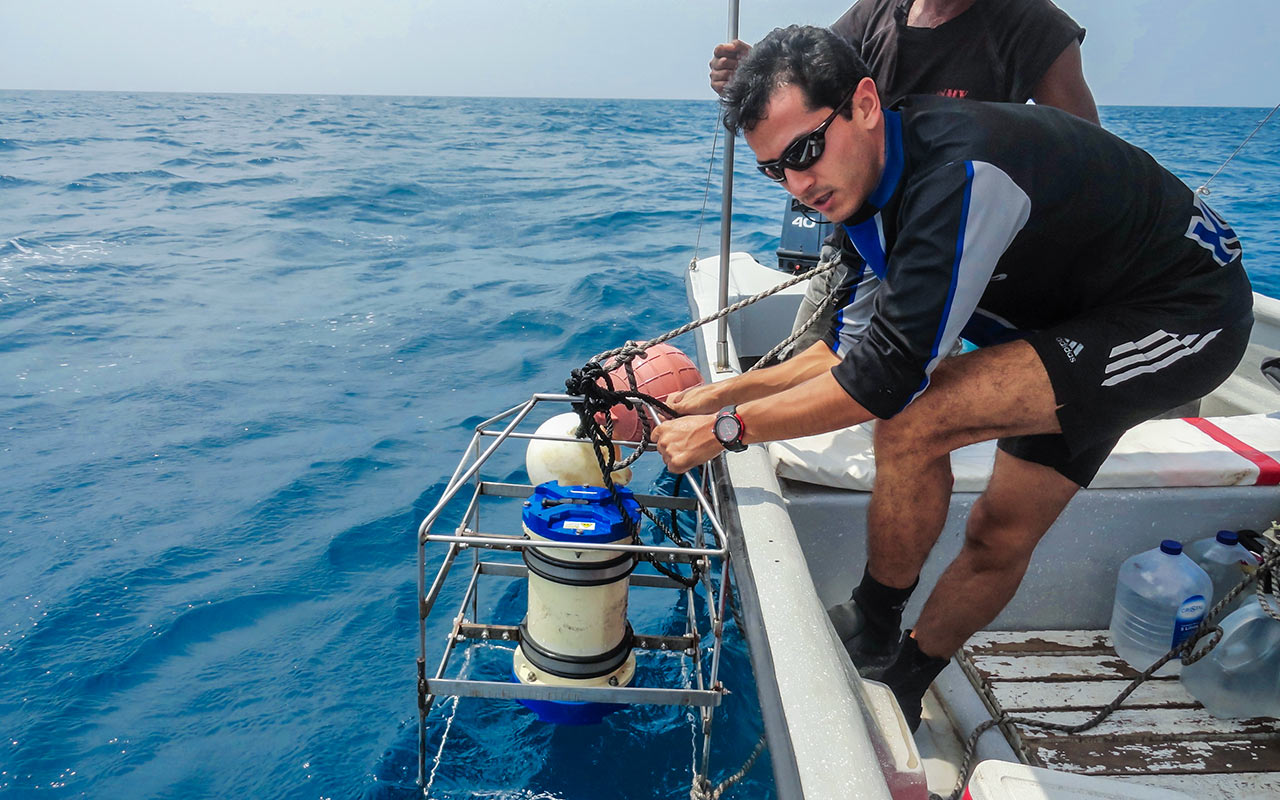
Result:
{"points": [[497, 97]]}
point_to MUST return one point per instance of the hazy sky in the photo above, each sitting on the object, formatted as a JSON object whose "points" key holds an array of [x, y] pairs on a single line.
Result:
{"points": [[1142, 52]]}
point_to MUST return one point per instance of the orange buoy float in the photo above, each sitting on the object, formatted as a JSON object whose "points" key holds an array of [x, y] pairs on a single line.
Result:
{"points": [[661, 372]]}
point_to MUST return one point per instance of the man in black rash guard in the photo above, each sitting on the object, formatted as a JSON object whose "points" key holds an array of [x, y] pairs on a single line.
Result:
{"points": [[1101, 291], [997, 50]]}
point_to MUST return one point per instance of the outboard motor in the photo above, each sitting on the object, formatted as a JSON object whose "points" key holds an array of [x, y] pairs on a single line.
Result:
{"points": [[803, 232]]}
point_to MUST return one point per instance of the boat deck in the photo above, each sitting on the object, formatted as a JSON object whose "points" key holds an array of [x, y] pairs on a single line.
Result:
{"points": [[798, 546], [1161, 736]]}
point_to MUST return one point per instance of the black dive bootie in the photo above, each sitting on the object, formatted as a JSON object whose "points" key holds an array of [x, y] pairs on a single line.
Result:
{"points": [[910, 676], [869, 624]]}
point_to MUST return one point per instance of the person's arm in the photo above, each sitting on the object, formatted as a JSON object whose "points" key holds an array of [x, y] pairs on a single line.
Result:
{"points": [[724, 62], [711, 397], [816, 406], [1063, 86]]}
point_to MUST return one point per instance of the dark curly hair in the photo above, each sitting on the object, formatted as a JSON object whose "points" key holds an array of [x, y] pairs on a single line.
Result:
{"points": [[824, 66]]}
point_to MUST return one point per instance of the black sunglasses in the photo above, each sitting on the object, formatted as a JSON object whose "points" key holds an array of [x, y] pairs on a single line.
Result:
{"points": [[804, 151]]}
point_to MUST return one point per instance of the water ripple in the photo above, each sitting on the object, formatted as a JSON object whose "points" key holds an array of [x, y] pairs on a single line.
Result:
{"points": [[244, 349]]}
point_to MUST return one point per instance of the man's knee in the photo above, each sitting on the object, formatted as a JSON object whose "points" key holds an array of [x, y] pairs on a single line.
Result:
{"points": [[997, 537], [911, 437]]}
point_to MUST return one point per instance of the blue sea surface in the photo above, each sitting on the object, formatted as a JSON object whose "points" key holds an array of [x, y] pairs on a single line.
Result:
{"points": [[243, 341]]}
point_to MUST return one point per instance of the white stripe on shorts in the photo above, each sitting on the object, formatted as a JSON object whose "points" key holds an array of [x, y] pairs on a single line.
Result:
{"points": [[1129, 347], [1184, 348], [1152, 354]]}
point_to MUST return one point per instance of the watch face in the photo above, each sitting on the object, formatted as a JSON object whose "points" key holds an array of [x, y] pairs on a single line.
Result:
{"points": [[727, 428]]}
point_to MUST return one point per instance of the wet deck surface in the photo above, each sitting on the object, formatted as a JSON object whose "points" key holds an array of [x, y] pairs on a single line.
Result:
{"points": [[1161, 735]]}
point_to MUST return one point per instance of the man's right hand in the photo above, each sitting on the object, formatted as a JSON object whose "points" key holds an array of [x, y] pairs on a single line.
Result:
{"points": [[724, 62], [701, 399]]}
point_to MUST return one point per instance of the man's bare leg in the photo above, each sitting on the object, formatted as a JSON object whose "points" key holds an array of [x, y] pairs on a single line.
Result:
{"points": [[1000, 391], [1021, 502], [1008, 520], [905, 517], [988, 394]]}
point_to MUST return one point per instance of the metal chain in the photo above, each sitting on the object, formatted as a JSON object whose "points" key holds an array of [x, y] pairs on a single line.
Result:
{"points": [[1188, 651]]}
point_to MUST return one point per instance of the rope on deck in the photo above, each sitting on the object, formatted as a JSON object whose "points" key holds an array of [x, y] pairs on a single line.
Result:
{"points": [[1189, 651]]}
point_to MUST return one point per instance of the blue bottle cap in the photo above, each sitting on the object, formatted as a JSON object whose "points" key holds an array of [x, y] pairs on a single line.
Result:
{"points": [[1171, 547], [1228, 537], [579, 513]]}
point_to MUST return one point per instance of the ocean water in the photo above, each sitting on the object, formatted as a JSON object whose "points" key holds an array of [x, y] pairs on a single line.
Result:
{"points": [[243, 340]]}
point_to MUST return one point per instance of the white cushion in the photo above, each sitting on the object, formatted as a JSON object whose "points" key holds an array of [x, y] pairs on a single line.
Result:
{"points": [[1158, 453]]}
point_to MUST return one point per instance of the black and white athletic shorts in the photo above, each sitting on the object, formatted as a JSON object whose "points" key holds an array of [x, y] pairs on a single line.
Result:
{"points": [[1118, 366]]}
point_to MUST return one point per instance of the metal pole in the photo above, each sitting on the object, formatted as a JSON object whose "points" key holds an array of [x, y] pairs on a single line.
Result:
{"points": [[726, 224]]}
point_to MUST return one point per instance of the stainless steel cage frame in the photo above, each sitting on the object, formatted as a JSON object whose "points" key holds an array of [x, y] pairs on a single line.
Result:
{"points": [[711, 557]]}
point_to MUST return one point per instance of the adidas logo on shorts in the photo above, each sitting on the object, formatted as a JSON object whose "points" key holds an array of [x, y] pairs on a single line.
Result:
{"points": [[1071, 348]]}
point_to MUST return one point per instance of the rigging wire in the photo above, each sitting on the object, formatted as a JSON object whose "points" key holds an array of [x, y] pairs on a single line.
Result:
{"points": [[706, 190], [1203, 191], [448, 724]]}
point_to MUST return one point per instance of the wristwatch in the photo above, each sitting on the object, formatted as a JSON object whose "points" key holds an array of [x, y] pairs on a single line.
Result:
{"points": [[729, 429]]}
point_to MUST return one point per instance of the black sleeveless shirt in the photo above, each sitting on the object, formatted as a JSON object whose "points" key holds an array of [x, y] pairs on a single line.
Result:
{"points": [[996, 50]]}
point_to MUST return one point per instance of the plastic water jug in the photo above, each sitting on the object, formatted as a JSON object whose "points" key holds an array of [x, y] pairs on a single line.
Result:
{"points": [[1227, 562], [1161, 598], [1241, 676]]}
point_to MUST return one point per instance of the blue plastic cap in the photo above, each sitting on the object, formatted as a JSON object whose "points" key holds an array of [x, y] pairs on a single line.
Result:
{"points": [[1228, 537], [569, 712], [1171, 547], [579, 513]]}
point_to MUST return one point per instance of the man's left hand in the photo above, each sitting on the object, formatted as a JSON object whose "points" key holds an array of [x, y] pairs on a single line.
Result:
{"points": [[687, 442]]}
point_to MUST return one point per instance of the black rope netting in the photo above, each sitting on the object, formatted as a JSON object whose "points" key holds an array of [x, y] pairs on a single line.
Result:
{"points": [[595, 385]]}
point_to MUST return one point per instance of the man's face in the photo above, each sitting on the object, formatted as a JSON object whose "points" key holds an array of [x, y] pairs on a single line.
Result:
{"points": [[848, 169]]}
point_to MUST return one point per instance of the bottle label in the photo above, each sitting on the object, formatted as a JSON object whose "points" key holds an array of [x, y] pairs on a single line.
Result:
{"points": [[1188, 618]]}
